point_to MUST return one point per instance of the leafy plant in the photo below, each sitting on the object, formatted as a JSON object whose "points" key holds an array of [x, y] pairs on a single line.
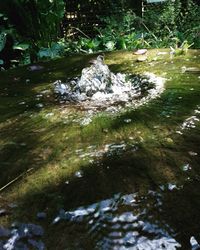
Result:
{"points": [[173, 23], [56, 50], [32, 26], [166, 25], [33, 29], [36, 21]]}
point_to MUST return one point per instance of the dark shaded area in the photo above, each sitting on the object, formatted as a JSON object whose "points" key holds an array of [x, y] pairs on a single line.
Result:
{"points": [[8, 53], [87, 16], [130, 172], [18, 103], [181, 212]]}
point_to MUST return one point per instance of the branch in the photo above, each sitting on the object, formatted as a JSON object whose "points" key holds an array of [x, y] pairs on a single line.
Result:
{"points": [[14, 180]]}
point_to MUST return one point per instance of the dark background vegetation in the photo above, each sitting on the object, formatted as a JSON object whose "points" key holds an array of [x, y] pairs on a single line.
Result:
{"points": [[36, 30]]}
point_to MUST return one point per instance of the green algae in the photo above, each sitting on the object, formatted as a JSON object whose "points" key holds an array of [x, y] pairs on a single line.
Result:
{"points": [[51, 140]]}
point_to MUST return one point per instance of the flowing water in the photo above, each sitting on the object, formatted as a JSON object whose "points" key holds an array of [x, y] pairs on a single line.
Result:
{"points": [[101, 178], [98, 87]]}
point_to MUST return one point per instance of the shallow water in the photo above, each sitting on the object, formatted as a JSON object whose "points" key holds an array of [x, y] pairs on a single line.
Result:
{"points": [[125, 180]]}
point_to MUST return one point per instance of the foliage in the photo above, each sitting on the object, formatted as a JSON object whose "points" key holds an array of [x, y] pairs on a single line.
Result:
{"points": [[10, 49], [56, 50], [163, 25], [32, 25], [38, 21], [173, 23], [119, 32]]}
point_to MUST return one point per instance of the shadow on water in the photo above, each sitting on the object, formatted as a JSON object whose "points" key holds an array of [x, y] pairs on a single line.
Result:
{"points": [[23, 96], [127, 172]]}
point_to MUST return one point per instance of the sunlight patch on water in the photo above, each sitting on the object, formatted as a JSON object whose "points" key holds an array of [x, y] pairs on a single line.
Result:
{"points": [[98, 87], [123, 222], [191, 121], [21, 236], [107, 150]]}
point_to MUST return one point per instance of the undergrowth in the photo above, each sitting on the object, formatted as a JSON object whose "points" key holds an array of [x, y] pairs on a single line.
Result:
{"points": [[163, 25]]}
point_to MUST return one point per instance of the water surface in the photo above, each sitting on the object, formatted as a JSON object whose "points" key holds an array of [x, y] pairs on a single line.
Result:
{"points": [[111, 181]]}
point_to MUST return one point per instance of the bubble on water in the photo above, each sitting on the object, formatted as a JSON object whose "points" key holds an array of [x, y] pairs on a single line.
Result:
{"points": [[179, 132], [22, 103], [192, 153], [39, 105], [41, 215], [127, 120], [190, 122], [186, 167], [79, 150], [172, 186], [3, 212], [79, 174], [35, 67]]}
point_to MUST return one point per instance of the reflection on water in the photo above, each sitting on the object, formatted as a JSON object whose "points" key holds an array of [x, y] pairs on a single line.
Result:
{"points": [[131, 221], [21, 237], [125, 222], [190, 122]]}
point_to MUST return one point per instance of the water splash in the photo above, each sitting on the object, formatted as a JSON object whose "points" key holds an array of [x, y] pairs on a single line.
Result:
{"points": [[99, 87]]}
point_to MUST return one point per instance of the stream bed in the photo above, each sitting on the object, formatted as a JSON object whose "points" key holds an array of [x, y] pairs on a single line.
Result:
{"points": [[117, 176]]}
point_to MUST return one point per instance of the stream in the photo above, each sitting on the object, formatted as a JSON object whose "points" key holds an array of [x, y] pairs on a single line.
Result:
{"points": [[96, 172]]}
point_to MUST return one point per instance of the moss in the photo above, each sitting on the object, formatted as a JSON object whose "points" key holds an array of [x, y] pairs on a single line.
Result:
{"points": [[53, 143]]}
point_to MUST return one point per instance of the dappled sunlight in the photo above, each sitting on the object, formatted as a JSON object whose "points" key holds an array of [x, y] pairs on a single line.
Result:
{"points": [[99, 125], [79, 158]]}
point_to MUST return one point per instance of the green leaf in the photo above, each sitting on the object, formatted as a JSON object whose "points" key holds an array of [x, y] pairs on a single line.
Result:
{"points": [[21, 46], [1, 62], [122, 43], [110, 45], [44, 52]]}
